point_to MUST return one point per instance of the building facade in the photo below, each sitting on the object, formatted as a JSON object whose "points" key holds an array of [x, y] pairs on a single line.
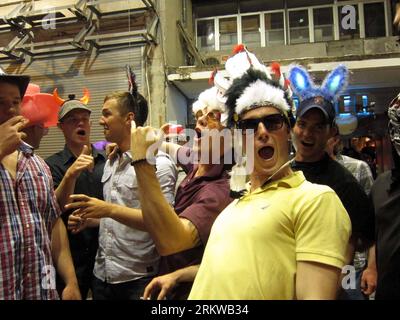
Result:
{"points": [[174, 45]]}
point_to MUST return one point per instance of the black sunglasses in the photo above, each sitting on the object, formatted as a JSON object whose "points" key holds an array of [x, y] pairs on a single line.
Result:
{"points": [[272, 122]]}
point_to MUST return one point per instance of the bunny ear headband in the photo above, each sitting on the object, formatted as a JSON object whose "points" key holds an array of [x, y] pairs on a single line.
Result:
{"points": [[304, 87], [321, 97]]}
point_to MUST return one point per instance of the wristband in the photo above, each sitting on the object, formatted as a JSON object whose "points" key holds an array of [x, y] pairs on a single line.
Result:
{"points": [[137, 161]]}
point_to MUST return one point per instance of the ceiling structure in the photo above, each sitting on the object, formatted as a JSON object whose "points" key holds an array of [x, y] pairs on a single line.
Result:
{"points": [[366, 75], [39, 28], [42, 27]]}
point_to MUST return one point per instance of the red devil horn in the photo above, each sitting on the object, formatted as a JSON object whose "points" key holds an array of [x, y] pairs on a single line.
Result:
{"points": [[276, 69], [86, 96], [212, 77], [287, 84], [57, 97], [238, 48]]}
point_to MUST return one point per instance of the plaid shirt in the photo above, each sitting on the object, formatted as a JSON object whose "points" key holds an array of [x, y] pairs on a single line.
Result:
{"points": [[28, 211], [360, 171]]}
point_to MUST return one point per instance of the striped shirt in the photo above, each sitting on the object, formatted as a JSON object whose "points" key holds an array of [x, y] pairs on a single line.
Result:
{"points": [[359, 169], [28, 211]]}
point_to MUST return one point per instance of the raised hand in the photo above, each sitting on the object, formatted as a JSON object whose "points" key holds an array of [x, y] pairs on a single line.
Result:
{"points": [[112, 150], [11, 135], [84, 162], [144, 142]]}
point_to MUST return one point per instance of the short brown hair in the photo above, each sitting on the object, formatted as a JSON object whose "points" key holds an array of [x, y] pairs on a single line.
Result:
{"points": [[127, 102]]}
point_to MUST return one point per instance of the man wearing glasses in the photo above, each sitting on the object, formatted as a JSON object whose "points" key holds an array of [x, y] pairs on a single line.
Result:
{"points": [[78, 168], [181, 232], [285, 238]]}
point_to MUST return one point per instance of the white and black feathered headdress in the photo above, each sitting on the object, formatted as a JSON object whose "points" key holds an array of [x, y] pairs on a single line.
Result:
{"points": [[254, 85], [214, 97]]}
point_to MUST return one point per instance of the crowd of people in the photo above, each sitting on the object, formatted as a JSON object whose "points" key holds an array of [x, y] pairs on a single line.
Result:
{"points": [[248, 221]]}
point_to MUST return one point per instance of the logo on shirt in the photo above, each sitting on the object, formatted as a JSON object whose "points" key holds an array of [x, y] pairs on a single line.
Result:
{"points": [[265, 206]]}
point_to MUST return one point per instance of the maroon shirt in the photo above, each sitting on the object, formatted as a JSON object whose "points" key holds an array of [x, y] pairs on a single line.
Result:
{"points": [[200, 200]]}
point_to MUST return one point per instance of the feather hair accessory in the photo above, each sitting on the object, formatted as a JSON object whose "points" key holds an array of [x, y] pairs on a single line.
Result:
{"points": [[132, 85], [241, 61], [214, 97]]}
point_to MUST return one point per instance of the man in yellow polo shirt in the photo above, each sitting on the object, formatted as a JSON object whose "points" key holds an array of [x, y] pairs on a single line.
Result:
{"points": [[285, 238]]}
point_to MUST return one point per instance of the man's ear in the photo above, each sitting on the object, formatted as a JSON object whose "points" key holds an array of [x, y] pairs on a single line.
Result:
{"points": [[333, 131], [130, 116]]}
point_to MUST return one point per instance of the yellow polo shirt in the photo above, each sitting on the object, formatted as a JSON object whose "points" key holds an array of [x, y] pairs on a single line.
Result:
{"points": [[257, 240]]}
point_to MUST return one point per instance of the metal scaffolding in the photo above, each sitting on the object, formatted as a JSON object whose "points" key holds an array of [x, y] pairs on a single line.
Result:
{"points": [[28, 30]]}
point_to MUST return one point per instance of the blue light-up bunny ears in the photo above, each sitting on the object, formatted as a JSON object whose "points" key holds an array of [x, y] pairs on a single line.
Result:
{"points": [[304, 87]]}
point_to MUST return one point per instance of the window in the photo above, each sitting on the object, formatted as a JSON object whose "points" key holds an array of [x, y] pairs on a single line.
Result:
{"points": [[274, 29], [227, 33], [280, 22], [206, 35], [323, 24], [374, 20], [251, 35], [359, 103], [346, 105], [349, 26], [362, 103], [365, 103], [298, 22]]}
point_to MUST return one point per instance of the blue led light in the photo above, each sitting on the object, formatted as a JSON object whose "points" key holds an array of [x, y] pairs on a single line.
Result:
{"points": [[335, 83], [300, 81]]}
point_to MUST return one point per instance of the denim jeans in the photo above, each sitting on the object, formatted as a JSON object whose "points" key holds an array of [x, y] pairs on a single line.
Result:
{"points": [[131, 290]]}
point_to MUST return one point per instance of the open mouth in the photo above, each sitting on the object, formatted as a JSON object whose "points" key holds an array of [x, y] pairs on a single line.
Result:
{"points": [[81, 132], [306, 144], [266, 153]]}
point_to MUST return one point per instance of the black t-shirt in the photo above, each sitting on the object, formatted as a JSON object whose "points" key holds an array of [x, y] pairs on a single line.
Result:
{"points": [[84, 244], [385, 194], [358, 205]]}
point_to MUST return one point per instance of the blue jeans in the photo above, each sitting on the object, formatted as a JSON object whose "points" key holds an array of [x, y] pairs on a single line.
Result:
{"points": [[131, 290]]}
